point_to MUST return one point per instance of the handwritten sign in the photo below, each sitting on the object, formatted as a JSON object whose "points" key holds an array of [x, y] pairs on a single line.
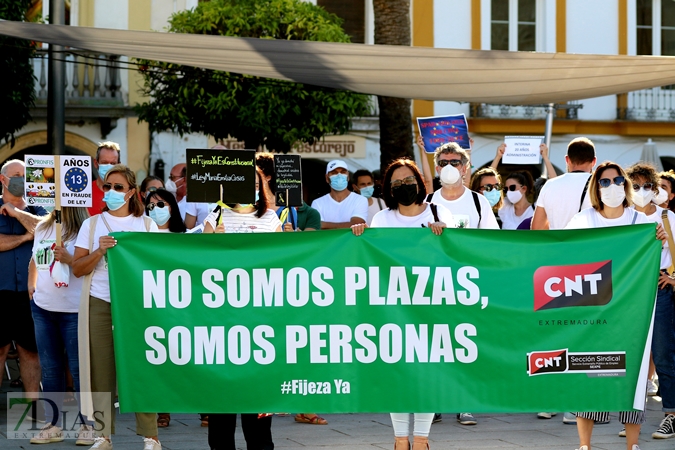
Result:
{"points": [[288, 173], [522, 150], [208, 170], [439, 130]]}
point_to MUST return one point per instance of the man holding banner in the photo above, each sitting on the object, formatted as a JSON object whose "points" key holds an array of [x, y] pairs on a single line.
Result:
{"points": [[17, 224]]}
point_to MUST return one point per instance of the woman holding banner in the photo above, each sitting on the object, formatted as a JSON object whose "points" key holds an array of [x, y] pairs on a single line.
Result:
{"points": [[123, 212], [404, 192], [54, 307], [611, 194], [253, 218]]}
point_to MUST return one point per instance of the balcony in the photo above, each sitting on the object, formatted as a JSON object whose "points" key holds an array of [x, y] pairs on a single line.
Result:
{"points": [[651, 105], [93, 88], [527, 112]]}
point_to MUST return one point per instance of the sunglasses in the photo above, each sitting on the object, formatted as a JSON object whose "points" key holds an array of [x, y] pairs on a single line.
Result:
{"points": [[407, 180], [606, 182], [453, 162], [117, 186], [511, 188], [151, 206], [490, 187], [151, 189], [647, 186]]}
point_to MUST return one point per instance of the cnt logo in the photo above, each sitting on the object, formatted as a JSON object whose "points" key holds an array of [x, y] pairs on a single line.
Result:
{"points": [[575, 285], [547, 362]]}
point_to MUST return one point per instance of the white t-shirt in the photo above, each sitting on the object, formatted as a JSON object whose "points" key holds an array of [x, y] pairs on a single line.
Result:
{"points": [[47, 295], [388, 218], [249, 223], [560, 198], [590, 218], [198, 210], [666, 259], [354, 205], [510, 220], [100, 286], [464, 211], [377, 206], [182, 207]]}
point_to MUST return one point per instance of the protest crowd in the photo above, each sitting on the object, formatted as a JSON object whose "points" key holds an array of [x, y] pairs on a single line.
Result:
{"points": [[75, 320]]}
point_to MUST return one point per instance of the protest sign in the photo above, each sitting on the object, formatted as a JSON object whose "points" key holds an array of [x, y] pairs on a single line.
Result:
{"points": [[522, 150], [439, 130], [75, 174], [288, 173], [210, 172], [40, 187], [332, 322]]}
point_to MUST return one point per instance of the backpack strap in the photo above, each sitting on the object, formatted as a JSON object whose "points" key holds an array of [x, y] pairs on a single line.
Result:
{"points": [[428, 200], [632, 222], [476, 202], [583, 194], [434, 211]]}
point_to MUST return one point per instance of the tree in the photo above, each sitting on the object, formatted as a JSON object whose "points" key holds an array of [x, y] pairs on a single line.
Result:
{"points": [[257, 110], [17, 91], [392, 27]]}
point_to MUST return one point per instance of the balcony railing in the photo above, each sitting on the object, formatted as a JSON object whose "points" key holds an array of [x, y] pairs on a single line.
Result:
{"points": [[653, 105], [532, 112]]}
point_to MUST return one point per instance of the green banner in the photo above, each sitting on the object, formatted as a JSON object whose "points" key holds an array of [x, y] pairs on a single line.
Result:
{"points": [[396, 320]]}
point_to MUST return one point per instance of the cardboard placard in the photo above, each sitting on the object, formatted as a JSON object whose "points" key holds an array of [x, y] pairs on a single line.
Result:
{"points": [[209, 169], [522, 150], [439, 130], [288, 171]]}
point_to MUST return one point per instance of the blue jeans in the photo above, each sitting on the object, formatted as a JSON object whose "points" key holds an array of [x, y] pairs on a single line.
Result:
{"points": [[54, 333], [663, 347]]}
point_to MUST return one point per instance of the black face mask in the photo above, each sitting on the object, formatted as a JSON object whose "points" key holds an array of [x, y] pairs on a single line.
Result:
{"points": [[405, 195]]}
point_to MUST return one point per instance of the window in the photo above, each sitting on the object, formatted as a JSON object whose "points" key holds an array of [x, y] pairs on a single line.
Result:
{"points": [[506, 32], [655, 23]]}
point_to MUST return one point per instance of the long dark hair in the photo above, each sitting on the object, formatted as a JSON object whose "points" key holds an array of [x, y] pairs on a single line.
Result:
{"points": [[389, 199], [176, 224]]}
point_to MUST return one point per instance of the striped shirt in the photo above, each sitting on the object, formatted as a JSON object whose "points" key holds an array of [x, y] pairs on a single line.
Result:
{"points": [[249, 223]]}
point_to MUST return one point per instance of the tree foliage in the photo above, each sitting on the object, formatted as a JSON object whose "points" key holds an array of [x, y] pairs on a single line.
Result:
{"points": [[256, 110], [17, 91]]}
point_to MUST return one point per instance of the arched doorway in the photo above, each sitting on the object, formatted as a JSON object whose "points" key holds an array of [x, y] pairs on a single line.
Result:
{"points": [[35, 143]]}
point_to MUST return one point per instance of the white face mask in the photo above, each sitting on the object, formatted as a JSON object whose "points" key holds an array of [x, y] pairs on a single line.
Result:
{"points": [[661, 197], [449, 175], [612, 196], [170, 186], [643, 197], [514, 196]]}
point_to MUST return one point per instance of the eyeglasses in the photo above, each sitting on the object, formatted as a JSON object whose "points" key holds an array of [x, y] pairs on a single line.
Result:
{"points": [[490, 187], [511, 188], [647, 186], [606, 182], [151, 189], [151, 206], [407, 180], [453, 162], [117, 186]]}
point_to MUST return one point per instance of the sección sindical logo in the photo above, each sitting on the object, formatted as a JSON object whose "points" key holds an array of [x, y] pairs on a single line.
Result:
{"points": [[599, 364]]}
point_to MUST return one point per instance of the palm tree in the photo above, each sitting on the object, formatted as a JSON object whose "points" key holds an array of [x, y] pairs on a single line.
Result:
{"points": [[392, 27]]}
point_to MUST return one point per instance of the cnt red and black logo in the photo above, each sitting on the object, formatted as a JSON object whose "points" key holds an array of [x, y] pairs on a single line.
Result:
{"points": [[575, 285], [547, 362]]}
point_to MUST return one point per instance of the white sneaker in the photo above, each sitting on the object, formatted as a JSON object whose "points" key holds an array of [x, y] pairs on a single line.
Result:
{"points": [[569, 418], [151, 444], [101, 443], [652, 388], [546, 415], [622, 433], [583, 447], [48, 434], [466, 419], [635, 447], [85, 435]]}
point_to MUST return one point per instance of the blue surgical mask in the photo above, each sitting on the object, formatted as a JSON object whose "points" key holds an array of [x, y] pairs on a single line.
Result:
{"points": [[338, 182], [160, 215], [103, 169], [114, 200], [367, 191], [493, 196], [257, 196]]}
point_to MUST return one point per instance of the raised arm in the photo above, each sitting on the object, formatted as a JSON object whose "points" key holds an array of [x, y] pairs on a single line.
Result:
{"points": [[426, 169], [550, 170]]}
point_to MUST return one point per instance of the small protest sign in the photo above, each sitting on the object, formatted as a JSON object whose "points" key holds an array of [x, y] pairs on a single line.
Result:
{"points": [[439, 130], [76, 181], [522, 150], [209, 169], [40, 187], [288, 190]]}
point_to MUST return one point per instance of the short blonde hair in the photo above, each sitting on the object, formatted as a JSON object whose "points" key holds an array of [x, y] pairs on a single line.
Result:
{"points": [[110, 145]]}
